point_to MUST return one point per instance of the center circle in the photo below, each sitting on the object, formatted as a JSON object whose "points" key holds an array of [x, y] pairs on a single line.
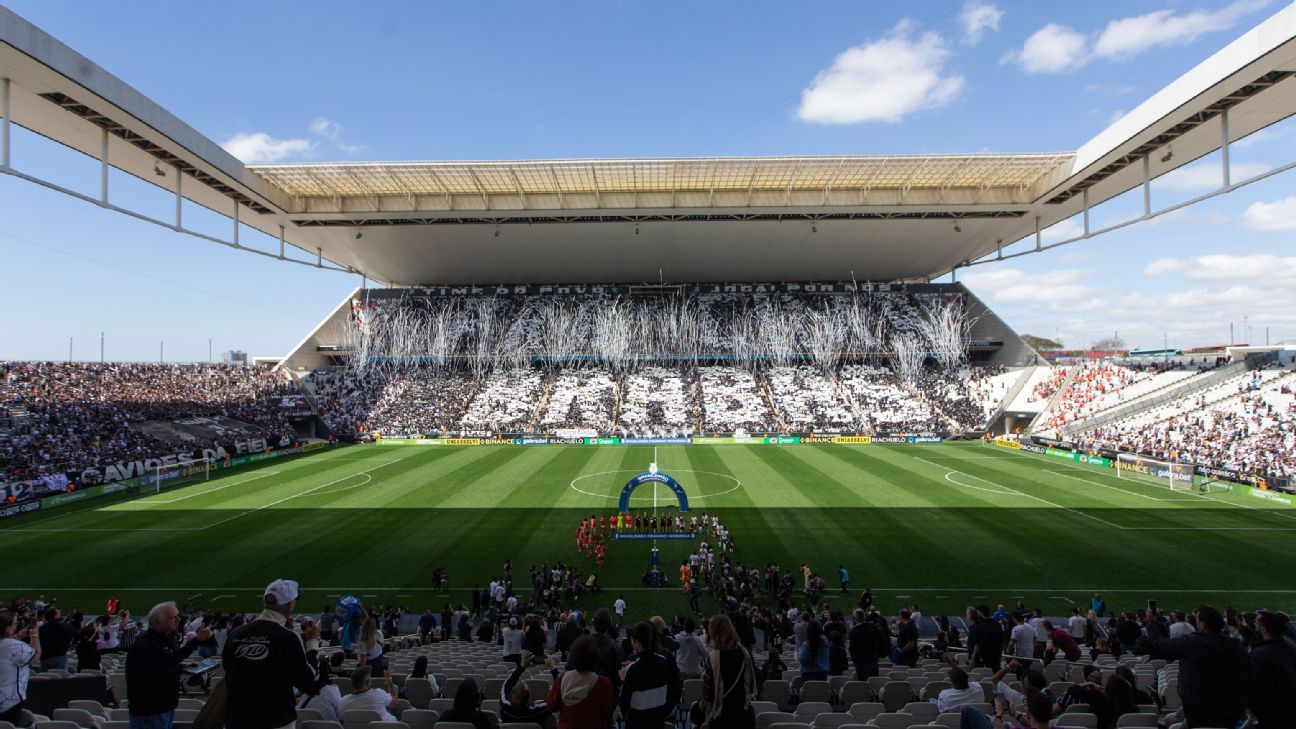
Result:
{"points": [[737, 484]]}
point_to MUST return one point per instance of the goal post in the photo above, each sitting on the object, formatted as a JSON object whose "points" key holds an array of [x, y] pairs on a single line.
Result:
{"points": [[171, 474], [1175, 476]]}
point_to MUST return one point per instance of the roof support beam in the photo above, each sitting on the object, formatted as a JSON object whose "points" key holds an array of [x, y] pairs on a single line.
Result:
{"points": [[518, 185], [4, 122], [103, 165], [1224, 146], [1147, 186], [557, 188]]}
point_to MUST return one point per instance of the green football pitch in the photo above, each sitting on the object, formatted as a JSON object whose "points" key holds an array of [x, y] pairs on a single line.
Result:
{"points": [[942, 526]]}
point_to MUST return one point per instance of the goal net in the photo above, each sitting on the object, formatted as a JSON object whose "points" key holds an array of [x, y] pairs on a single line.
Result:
{"points": [[1175, 476], [173, 474]]}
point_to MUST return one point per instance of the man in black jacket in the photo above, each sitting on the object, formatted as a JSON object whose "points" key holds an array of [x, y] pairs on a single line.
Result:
{"points": [[56, 638], [264, 661], [153, 668], [1273, 668], [1214, 673], [867, 645], [645, 688]]}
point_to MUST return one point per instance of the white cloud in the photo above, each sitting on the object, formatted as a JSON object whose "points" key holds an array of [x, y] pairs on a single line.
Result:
{"points": [[1056, 48], [1051, 49], [1207, 176], [1229, 268], [260, 148], [978, 17], [882, 80], [1127, 37], [1063, 230], [1115, 117], [1277, 215], [1059, 290], [326, 128]]}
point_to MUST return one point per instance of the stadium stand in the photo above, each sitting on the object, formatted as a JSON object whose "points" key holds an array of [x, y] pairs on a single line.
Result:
{"points": [[429, 671], [732, 401], [75, 416], [659, 401], [1244, 423]]}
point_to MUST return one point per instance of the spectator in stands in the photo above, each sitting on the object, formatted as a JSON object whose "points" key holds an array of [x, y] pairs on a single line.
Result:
{"points": [[1214, 673], [365, 696], [153, 666], [511, 641], [1038, 713], [959, 693], [264, 661], [581, 696], [728, 680], [427, 624], [1108, 702], [985, 639], [1021, 641], [1061, 640], [369, 648], [324, 697], [812, 653], [645, 682], [87, 649], [867, 643], [1273, 674], [19, 651], [609, 663], [906, 640], [465, 709], [56, 637], [516, 705], [691, 653]]}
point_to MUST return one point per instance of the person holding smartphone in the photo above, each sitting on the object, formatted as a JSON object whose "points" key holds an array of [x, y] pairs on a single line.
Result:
{"points": [[19, 650]]}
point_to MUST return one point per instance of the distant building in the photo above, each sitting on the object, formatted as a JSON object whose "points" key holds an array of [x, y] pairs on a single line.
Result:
{"points": [[234, 357]]}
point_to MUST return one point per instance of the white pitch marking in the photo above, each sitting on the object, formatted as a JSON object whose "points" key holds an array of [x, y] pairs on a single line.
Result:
{"points": [[1021, 493], [1117, 488], [737, 484], [298, 496], [1034, 456], [949, 477], [209, 526], [150, 502]]}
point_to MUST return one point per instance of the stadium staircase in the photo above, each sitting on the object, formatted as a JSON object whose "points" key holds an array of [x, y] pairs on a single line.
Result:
{"points": [[763, 385], [306, 387], [1009, 397], [1040, 417], [542, 403], [850, 401], [616, 403], [1168, 394]]}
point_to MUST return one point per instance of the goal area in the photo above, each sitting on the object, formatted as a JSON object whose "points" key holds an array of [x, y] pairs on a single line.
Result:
{"points": [[1175, 476], [172, 474]]}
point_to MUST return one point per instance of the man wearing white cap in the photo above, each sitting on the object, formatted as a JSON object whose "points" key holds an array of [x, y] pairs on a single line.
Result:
{"points": [[264, 661]]}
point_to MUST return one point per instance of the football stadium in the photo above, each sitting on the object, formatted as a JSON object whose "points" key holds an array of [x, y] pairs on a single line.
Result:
{"points": [[750, 398]]}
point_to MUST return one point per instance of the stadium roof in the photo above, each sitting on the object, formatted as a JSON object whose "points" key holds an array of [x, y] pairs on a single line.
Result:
{"points": [[630, 220]]}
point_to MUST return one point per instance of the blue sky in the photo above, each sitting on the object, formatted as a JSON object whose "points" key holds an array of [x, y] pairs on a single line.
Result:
{"points": [[514, 80]]}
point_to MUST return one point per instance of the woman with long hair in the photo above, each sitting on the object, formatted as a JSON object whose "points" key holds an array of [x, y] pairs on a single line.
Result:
{"points": [[369, 648], [465, 709], [812, 654], [728, 680]]}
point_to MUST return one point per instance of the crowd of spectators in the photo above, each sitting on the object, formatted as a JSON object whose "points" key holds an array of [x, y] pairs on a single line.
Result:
{"points": [[66, 417], [1225, 665], [732, 400], [657, 400], [1246, 425], [806, 400], [886, 403], [580, 399]]}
